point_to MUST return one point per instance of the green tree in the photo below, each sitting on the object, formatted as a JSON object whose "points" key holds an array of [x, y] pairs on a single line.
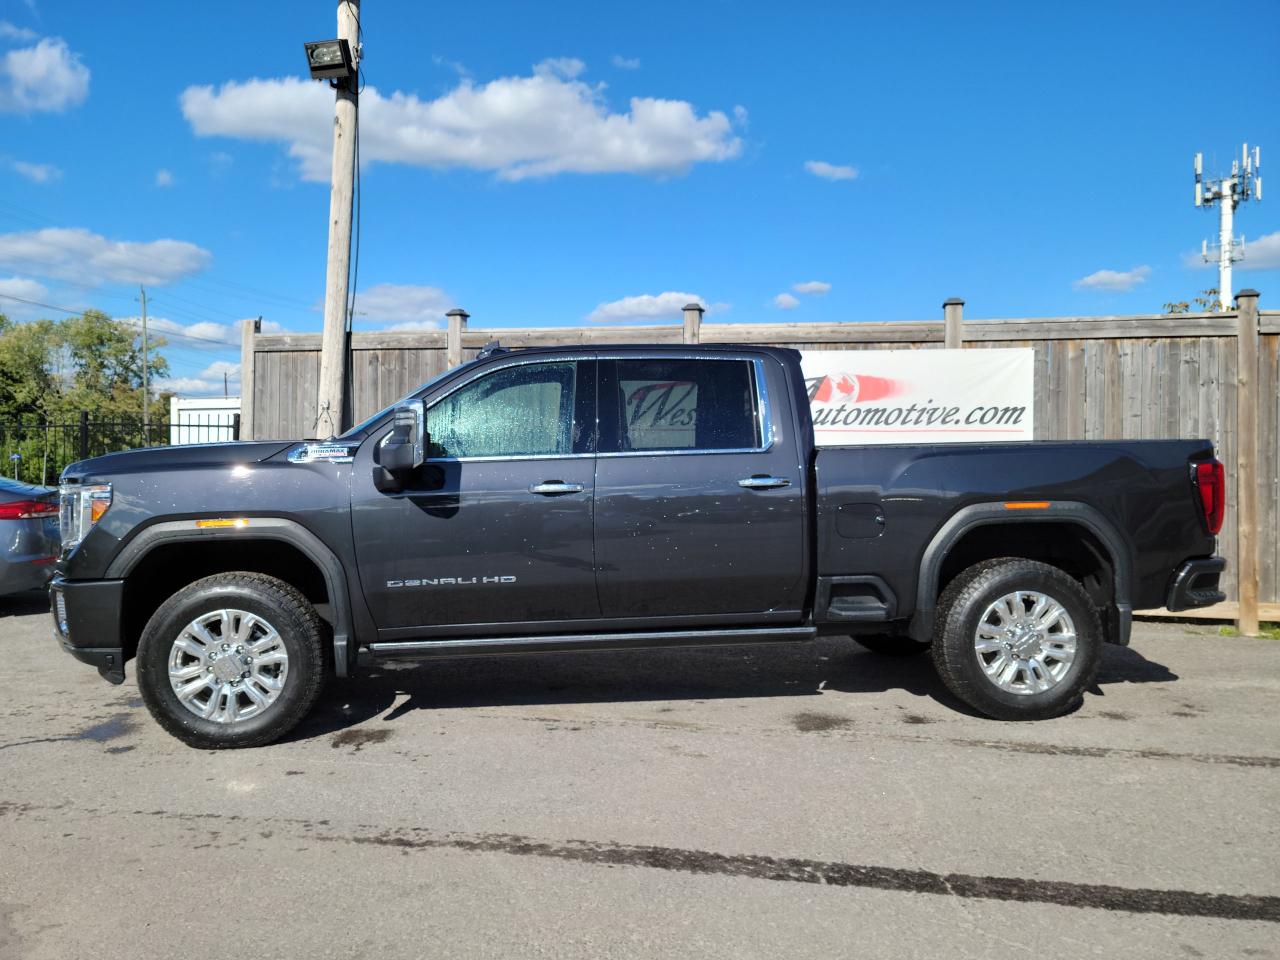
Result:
{"points": [[51, 370], [1206, 302]]}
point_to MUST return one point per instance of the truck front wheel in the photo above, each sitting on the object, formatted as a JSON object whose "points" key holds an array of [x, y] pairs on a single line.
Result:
{"points": [[1017, 639], [233, 660]]}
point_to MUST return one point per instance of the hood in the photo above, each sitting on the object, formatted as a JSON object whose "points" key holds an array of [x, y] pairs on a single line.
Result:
{"points": [[168, 457]]}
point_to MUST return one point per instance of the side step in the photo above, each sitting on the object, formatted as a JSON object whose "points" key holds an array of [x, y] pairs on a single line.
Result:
{"points": [[476, 646]]}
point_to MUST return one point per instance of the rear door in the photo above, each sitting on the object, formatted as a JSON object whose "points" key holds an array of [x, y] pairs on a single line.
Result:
{"points": [[496, 527], [700, 494]]}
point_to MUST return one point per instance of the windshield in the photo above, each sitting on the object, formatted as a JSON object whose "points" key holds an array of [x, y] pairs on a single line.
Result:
{"points": [[360, 429]]}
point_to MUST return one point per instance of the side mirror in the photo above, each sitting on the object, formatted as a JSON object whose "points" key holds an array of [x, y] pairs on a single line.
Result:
{"points": [[403, 449]]}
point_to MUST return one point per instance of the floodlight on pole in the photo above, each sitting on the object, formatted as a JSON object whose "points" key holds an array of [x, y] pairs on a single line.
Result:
{"points": [[1228, 191], [330, 60]]}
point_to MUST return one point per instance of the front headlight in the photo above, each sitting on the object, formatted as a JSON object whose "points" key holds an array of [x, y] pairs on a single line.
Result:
{"points": [[80, 507]]}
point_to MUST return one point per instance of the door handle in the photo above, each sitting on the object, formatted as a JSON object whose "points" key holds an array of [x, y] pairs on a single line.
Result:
{"points": [[555, 488], [763, 483]]}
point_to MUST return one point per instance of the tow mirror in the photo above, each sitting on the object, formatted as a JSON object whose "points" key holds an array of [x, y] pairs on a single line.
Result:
{"points": [[403, 449]]}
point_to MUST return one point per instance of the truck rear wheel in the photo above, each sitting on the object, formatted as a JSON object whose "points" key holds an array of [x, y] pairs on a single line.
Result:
{"points": [[1017, 639], [233, 660]]}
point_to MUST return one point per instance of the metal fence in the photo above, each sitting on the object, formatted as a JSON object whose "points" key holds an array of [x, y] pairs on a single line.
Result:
{"points": [[35, 450]]}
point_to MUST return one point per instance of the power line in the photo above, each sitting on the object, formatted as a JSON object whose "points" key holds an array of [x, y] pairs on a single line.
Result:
{"points": [[122, 320]]}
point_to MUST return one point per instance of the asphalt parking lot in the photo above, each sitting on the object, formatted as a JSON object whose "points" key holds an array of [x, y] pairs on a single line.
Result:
{"points": [[804, 801]]}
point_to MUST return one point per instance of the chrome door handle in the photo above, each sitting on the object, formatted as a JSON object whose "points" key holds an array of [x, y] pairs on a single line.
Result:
{"points": [[555, 488], [763, 483]]}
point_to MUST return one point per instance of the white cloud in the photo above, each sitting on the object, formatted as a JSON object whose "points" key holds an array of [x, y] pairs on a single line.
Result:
{"points": [[1260, 254], [204, 335], [46, 78], [830, 171], [626, 63], [812, 287], [1118, 280], [519, 127], [24, 289], [86, 258], [568, 67], [164, 178], [216, 370], [395, 306], [663, 306], [36, 172], [10, 31], [785, 301], [457, 66]]}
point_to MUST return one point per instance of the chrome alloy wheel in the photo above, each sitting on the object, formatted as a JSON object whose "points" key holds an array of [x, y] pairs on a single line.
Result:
{"points": [[228, 665], [1025, 642]]}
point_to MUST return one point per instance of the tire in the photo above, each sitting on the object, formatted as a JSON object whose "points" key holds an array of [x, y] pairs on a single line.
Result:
{"points": [[890, 644], [213, 625], [1026, 669]]}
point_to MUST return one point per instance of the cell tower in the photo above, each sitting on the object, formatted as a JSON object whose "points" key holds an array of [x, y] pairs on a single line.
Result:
{"points": [[1228, 192]]}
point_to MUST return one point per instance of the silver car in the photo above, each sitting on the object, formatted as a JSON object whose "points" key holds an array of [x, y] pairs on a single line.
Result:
{"points": [[28, 535]]}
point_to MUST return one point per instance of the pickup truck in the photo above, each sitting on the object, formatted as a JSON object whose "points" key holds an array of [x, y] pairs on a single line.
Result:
{"points": [[565, 499]]}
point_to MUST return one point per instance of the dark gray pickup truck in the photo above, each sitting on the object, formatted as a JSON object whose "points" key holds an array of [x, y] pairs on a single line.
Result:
{"points": [[593, 499]]}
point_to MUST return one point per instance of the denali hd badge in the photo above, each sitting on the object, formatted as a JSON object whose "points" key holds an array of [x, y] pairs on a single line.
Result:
{"points": [[448, 581]]}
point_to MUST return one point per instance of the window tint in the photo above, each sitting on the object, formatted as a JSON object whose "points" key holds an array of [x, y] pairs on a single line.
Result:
{"points": [[524, 410], [686, 405]]}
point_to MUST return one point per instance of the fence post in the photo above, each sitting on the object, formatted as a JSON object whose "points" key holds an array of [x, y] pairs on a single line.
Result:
{"points": [[235, 426], [248, 330], [1247, 459], [453, 343], [693, 322], [953, 323], [84, 434]]}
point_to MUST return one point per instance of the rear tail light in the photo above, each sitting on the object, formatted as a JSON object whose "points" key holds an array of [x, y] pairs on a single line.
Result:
{"points": [[28, 509], [1210, 480]]}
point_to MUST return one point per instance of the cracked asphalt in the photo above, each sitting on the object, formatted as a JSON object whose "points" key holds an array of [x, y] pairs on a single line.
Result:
{"points": [[805, 801]]}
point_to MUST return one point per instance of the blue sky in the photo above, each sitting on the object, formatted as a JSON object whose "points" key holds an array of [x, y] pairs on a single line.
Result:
{"points": [[565, 163]]}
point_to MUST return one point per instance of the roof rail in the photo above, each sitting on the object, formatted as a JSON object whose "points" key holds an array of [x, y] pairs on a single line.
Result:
{"points": [[490, 349]]}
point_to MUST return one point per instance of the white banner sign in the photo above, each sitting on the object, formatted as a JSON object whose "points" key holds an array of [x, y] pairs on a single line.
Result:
{"points": [[920, 396]]}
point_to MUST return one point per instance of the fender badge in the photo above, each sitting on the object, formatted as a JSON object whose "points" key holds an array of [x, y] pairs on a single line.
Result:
{"points": [[327, 452]]}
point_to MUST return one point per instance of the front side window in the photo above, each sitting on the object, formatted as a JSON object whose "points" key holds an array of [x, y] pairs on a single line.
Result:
{"points": [[519, 411], [681, 404]]}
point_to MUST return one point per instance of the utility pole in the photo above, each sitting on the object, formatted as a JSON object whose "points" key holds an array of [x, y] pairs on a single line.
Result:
{"points": [[146, 362], [331, 417], [1228, 192]]}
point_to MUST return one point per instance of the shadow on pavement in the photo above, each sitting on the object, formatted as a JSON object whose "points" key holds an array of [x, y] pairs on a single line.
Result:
{"points": [[24, 604], [800, 670]]}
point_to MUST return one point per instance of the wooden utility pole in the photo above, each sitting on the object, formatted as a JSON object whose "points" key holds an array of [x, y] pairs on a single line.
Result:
{"points": [[146, 362], [331, 416]]}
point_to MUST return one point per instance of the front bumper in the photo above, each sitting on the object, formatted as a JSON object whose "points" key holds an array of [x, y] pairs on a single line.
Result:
{"points": [[88, 622], [1195, 584]]}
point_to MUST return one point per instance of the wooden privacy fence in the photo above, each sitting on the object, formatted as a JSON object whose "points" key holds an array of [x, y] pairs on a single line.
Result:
{"points": [[1193, 375]]}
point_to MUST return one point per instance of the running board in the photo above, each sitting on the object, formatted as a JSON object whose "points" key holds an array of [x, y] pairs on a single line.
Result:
{"points": [[474, 646]]}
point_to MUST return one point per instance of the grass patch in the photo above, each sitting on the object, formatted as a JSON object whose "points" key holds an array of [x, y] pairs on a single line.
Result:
{"points": [[1270, 631]]}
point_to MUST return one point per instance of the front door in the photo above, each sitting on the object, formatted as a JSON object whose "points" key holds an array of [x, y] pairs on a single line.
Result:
{"points": [[496, 527], [700, 496]]}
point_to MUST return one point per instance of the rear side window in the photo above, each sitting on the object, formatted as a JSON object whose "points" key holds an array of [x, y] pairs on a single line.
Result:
{"points": [[681, 404], [519, 411]]}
